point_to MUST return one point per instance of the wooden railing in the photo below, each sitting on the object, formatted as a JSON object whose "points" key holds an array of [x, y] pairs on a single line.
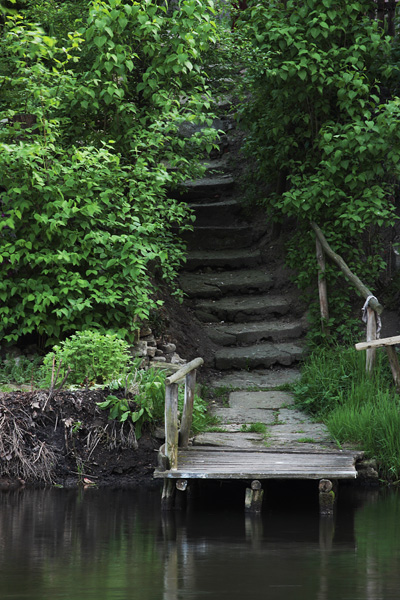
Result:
{"points": [[173, 436], [374, 308]]}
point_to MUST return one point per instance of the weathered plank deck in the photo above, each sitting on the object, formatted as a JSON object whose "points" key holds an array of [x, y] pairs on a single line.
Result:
{"points": [[242, 463], [237, 453]]}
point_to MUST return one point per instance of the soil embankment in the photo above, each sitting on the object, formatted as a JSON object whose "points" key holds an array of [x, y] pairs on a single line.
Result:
{"points": [[68, 442]]}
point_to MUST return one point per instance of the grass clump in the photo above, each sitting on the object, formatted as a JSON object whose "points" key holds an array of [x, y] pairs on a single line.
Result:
{"points": [[356, 407], [254, 428]]}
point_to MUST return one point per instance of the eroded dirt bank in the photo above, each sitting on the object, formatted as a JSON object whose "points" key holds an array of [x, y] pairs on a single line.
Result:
{"points": [[69, 441]]}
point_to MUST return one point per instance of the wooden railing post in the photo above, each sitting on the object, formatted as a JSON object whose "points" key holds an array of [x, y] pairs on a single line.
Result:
{"points": [[323, 294], [187, 414], [357, 283], [171, 424], [371, 336], [171, 409], [394, 365]]}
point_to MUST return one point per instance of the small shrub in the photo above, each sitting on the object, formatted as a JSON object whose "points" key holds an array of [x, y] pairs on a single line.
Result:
{"points": [[92, 356], [145, 402], [202, 419], [20, 369]]}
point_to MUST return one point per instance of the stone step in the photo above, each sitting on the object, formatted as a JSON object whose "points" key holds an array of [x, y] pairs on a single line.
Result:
{"points": [[259, 355], [219, 213], [211, 187], [218, 166], [220, 238], [225, 259], [216, 285], [273, 400], [242, 309], [258, 378], [231, 334]]}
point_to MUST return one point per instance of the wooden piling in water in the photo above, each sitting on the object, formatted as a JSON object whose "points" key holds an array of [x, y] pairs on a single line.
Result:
{"points": [[327, 497], [168, 495], [254, 497]]}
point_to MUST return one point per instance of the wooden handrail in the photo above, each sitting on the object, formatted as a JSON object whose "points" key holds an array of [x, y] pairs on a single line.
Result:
{"points": [[174, 437], [387, 343], [193, 364], [373, 308], [390, 341], [358, 284]]}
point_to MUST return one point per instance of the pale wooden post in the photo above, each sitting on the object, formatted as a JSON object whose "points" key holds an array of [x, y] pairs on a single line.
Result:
{"points": [[394, 365], [371, 336], [187, 414], [323, 293], [171, 424]]}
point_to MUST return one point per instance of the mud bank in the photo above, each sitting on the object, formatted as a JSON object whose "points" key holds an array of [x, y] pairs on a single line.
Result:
{"points": [[69, 441]]}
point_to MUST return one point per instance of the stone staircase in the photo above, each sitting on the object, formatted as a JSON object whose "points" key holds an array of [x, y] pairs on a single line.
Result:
{"points": [[248, 309]]}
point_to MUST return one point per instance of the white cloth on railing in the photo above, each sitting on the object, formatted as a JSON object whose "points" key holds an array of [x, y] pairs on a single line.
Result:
{"points": [[365, 315]]}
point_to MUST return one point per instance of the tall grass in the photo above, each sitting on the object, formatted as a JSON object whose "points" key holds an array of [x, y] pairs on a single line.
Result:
{"points": [[356, 407]]}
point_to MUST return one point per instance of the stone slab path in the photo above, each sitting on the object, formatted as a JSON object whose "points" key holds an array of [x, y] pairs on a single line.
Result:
{"points": [[243, 296], [265, 419]]}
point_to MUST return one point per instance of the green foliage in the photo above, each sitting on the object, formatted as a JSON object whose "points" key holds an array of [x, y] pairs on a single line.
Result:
{"points": [[371, 419], [92, 356], [90, 146], [202, 420], [329, 374], [145, 402], [321, 129], [20, 370], [356, 407]]}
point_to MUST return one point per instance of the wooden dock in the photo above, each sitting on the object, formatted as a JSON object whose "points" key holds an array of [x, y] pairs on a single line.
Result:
{"points": [[198, 462], [239, 455]]}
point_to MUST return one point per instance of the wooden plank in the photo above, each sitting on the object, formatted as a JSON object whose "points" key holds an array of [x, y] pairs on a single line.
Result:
{"points": [[217, 464], [345, 474], [390, 341], [288, 451]]}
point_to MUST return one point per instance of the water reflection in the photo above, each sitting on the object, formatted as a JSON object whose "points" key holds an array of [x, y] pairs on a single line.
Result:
{"points": [[116, 545]]}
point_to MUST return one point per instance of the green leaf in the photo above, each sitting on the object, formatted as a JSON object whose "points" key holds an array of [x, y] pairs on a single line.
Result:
{"points": [[100, 40]]}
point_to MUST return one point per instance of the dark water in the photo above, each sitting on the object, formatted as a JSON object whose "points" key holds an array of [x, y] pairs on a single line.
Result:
{"points": [[115, 545]]}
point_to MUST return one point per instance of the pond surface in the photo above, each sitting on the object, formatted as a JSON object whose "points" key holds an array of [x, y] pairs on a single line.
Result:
{"points": [[116, 545]]}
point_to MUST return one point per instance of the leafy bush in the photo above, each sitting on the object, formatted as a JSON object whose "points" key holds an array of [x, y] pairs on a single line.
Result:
{"points": [[146, 401], [89, 149], [93, 358], [322, 130]]}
